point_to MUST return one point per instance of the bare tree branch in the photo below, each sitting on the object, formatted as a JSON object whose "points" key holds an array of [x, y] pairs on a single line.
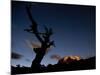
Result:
{"points": [[33, 27]]}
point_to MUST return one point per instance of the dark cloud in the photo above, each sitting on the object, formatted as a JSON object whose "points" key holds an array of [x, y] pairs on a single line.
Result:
{"points": [[15, 55], [28, 60], [56, 57]]}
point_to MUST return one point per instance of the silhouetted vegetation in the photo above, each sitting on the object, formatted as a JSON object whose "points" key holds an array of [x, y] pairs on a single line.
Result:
{"points": [[83, 64]]}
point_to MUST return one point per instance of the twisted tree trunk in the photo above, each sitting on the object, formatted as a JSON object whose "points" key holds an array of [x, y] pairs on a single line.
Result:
{"points": [[44, 40], [38, 58]]}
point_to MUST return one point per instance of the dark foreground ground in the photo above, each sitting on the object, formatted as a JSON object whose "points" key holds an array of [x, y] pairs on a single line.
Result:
{"points": [[85, 64]]}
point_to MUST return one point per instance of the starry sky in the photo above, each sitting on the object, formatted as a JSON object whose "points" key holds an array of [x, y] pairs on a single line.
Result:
{"points": [[73, 27]]}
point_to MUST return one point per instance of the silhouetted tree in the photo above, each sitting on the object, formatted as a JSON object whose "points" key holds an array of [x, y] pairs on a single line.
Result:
{"points": [[43, 37]]}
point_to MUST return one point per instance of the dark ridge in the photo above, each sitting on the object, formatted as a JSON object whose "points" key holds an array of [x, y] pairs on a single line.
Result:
{"points": [[83, 64]]}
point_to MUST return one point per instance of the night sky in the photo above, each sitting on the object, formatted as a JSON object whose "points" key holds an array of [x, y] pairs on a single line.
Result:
{"points": [[73, 27]]}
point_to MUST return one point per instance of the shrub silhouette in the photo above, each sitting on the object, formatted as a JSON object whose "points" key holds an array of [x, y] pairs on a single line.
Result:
{"points": [[82, 64]]}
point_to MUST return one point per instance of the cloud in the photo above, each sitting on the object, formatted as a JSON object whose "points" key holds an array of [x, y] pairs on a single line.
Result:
{"points": [[56, 57], [32, 44], [28, 60], [49, 49], [16, 56]]}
